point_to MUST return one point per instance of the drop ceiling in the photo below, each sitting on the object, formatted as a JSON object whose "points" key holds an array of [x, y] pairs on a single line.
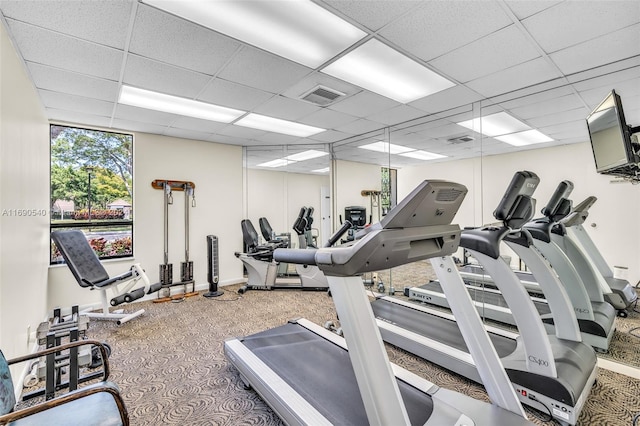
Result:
{"points": [[547, 63]]}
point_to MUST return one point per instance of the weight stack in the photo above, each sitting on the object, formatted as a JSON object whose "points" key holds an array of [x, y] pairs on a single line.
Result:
{"points": [[213, 273]]}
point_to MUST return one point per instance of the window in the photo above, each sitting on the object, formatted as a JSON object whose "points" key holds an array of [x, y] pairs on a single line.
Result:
{"points": [[389, 193], [92, 188]]}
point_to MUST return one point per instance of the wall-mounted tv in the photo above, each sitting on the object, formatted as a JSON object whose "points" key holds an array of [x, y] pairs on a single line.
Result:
{"points": [[610, 136]]}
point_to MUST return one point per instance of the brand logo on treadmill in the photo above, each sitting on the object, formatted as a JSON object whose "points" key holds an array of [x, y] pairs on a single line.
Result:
{"points": [[538, 361], [531, 185], [582, 310], [439, 212]]}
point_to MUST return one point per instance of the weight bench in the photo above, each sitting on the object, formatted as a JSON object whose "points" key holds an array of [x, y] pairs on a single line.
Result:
{"points": [[89, 273]]}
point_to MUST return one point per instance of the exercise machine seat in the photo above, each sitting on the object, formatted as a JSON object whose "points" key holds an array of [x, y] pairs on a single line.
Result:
{"points": [[98, 404]]}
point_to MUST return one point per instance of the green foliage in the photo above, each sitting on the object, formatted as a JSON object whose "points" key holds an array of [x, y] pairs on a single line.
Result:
{"points": [[77, 152]]}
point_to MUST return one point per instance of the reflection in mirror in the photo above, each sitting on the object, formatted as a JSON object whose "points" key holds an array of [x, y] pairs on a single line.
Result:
{"points": [[280, 180]]}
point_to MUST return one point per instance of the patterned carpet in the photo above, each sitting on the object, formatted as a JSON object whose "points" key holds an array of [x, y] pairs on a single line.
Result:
{"points": [[171, 369]]}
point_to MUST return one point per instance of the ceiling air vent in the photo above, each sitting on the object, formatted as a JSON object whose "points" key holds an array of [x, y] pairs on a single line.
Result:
{"points": [[321, 95], [461, 139]]}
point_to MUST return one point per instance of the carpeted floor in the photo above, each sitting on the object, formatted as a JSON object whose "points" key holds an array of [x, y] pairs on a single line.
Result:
{"points": [[171, 369]]}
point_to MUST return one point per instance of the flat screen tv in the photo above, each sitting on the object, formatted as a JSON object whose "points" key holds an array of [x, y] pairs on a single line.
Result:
{"points": [[610, 135]]}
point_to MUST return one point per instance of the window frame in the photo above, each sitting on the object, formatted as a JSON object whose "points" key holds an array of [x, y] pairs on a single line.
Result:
{"points": [[90, 224]]}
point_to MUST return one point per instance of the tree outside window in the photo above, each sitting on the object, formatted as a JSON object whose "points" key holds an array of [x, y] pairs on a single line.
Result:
{"points": [[92, 188]]}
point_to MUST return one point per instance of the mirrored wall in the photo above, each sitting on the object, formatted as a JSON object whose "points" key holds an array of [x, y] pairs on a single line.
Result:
{"points": [[480, 145]]}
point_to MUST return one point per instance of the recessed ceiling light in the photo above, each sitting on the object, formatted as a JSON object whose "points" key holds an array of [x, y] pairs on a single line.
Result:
{"points": [[325, 170], [495, 124], [525, 138], [300, 31], [306, 155], [386, 148], [276, 163], [270, 124], [175, 105], [423, 155], [383, 70]]}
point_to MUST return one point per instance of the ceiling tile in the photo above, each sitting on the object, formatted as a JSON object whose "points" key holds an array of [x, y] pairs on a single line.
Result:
{"points": [[136, 126], [231, 140], [240, 132], [329, 136], [142, 115], [522, 75], [54, 79], [103, 22], [574, 22], [545, 95], [261, 70], [396, 115], [376, 14], [524, 9], [65, 52], [79, 118], [360, 126], [612, 47], [327, 119], [446, 99], [186, 134], [286, 108], [551, 106], [157, 76], [497, 51], [438, 27], [364, 104], [558, 118], [167, 38], [63, 101], [604, 70], [276, 139], [626, 89], [232, 95], [196, 124]]}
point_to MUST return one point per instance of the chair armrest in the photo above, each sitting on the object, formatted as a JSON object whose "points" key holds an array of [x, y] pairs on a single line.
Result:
{"points": [[108, 387], [100, 345]]}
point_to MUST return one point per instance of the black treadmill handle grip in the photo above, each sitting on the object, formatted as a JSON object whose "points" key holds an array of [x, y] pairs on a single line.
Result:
{"points": [[297, 256], [339, 233]]}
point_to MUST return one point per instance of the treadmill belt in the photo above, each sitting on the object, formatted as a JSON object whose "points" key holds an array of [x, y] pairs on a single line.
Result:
{"points": [[307, 362], [434, 327]]}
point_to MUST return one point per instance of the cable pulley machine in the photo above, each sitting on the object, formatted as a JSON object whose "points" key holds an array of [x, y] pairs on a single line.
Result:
{"points": [[166, 268]]}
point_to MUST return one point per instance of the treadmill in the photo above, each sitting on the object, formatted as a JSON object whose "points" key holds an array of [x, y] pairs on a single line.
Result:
{"points": [[571, 236], [307, 375], [596, 318], [552, 373]]}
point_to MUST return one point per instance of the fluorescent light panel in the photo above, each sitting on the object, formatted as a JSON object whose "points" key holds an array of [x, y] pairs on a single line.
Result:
{"points": [[528, 137], [495, 124], [383, 70], [423, 155], [175, 105], [270, 124], [299, 30], [506, 128], [276, 163], [386, 148], [306, 155], [325, 170]]}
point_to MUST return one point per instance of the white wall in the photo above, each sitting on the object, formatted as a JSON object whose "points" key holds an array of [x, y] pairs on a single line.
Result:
{"points": [[24, 184], [278, 196], [616, 231], [350, 179], [216, 170]]}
